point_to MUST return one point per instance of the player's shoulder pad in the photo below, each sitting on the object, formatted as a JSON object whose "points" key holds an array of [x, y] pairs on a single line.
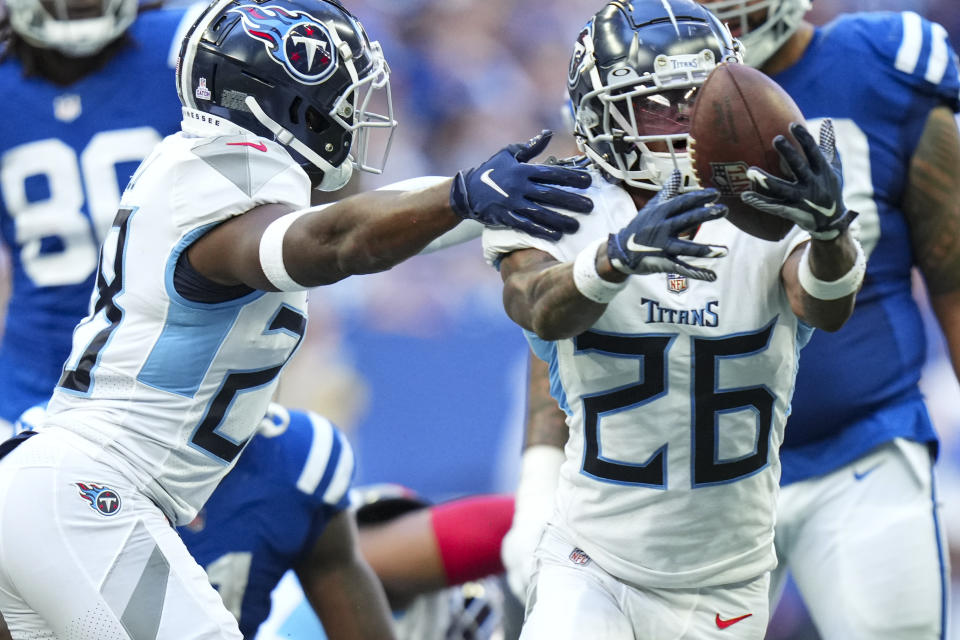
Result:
{"points": [[223, 176], [917, 49], [323, 464]]}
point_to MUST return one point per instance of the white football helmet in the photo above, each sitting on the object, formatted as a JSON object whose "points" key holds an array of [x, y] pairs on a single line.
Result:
{"points": [[76, 28], [760, 34]]}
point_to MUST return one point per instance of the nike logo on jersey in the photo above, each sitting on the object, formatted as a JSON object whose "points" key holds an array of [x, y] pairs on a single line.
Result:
{"points": [[259, 146], [860, 475], [487, 180], [826, 212], [723, 624]]}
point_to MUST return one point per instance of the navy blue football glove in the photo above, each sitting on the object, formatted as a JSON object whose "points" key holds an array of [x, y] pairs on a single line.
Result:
{"points": [[649, 243], [814, 201], [505, 191]]}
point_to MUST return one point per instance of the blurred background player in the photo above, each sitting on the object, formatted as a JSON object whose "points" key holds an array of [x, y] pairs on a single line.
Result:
{"points": [[284, 506], [859, 522], [89, 94], [664, 513]]}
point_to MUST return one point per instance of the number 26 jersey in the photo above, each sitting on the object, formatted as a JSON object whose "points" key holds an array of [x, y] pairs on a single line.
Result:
{"points": [[676, 399]]}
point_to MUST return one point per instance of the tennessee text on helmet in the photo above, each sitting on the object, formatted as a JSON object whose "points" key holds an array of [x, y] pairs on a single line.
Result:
{"points": [[76, 28], [762, 25], [633, 77], [300, 71]]}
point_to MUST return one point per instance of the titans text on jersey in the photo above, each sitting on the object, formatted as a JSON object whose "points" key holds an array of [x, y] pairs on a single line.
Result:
{"points": [[676, 411]]}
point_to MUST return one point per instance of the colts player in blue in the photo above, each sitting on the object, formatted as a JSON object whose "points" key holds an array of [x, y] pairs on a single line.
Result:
{"points": [[285, 506], [88, 95], [858, 522]]}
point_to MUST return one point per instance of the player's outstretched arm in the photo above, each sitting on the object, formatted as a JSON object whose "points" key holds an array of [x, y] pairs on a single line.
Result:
{"points": [[823, 276], [437, 546], [932, 207], [271, 248], [559, 300], [342, 588]]}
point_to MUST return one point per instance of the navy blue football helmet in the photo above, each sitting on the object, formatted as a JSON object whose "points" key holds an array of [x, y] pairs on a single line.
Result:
{"points": [[302, 72], [633, 78]]}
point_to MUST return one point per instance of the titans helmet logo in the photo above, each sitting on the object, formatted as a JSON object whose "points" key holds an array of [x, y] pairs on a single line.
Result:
{"points": [[579, 58], [296, 40]]}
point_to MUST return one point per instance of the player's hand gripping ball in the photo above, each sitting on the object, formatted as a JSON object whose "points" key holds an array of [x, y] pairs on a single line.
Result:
{"points": [[814, 199], [737, 114], [651, 242]]}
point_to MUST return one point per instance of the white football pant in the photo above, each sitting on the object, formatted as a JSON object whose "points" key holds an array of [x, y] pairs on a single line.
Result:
{"points": [[572, 599], [85, 556], [866, 547]]}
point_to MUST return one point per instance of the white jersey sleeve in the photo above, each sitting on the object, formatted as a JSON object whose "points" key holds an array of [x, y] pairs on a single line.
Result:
{"points": [[170, 388]]}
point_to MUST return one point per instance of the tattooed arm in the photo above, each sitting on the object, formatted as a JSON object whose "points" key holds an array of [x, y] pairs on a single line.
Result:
{"points": [[546, 422], [932, 206]]}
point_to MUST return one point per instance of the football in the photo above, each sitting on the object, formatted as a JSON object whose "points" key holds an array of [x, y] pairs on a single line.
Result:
{"points": [[737, 114]]}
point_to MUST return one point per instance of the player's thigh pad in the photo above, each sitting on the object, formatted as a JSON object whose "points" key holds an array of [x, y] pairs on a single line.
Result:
{"points": [[571, 597], [866, 548], [574, 598], [85, 556]]}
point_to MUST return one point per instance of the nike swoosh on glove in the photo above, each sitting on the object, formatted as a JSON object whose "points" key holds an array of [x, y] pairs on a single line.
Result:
{"points": [[649, 243], [814, 201], [508, 192]]}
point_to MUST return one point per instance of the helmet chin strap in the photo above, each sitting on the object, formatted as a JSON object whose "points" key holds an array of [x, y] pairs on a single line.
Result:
{"points": [[333, 177]]}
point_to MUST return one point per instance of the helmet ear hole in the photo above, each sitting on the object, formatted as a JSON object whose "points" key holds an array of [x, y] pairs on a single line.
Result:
{"points": [[295, 110], [316, 121]]}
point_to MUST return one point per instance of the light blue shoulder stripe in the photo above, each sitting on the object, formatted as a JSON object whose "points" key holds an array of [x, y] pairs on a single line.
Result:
{"points": [[547, 351], [192, 333]]}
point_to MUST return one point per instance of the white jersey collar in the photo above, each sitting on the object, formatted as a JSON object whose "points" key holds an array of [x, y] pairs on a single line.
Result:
{"points": [[203, 124]]}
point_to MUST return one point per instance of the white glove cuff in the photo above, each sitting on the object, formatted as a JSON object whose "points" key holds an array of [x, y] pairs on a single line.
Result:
{"points": [[834, 290], [588, 281], [271, 253]]}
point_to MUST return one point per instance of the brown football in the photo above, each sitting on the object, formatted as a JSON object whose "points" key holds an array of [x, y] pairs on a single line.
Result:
{"points": [[737, 114]]}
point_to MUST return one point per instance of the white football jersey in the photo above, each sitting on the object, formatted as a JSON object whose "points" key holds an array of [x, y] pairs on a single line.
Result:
{"points": [[170, 388], [676, 400]]}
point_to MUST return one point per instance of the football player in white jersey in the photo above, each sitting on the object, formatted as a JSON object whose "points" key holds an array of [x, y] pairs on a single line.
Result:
{"points": [[674, 360], [201, 300]]}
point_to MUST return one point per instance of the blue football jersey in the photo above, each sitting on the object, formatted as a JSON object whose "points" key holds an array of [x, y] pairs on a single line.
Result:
{"points": [[269, 510], [66, 154], [877, 75]]}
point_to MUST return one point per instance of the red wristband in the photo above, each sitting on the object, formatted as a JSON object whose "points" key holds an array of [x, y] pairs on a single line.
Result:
{"points": [[469, 532]]}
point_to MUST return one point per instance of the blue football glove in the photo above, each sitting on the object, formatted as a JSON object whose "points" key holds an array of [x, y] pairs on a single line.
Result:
{"points": [[814, 201], [649, 243], [505, 191]]}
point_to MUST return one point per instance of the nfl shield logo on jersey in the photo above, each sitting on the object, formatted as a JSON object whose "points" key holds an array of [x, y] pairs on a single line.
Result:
{"points": [[577, 556], [102, 499], [676, 283]]}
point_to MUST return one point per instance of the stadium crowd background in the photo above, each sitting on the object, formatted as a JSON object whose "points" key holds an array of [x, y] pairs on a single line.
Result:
{"points": [[420, 365]]}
